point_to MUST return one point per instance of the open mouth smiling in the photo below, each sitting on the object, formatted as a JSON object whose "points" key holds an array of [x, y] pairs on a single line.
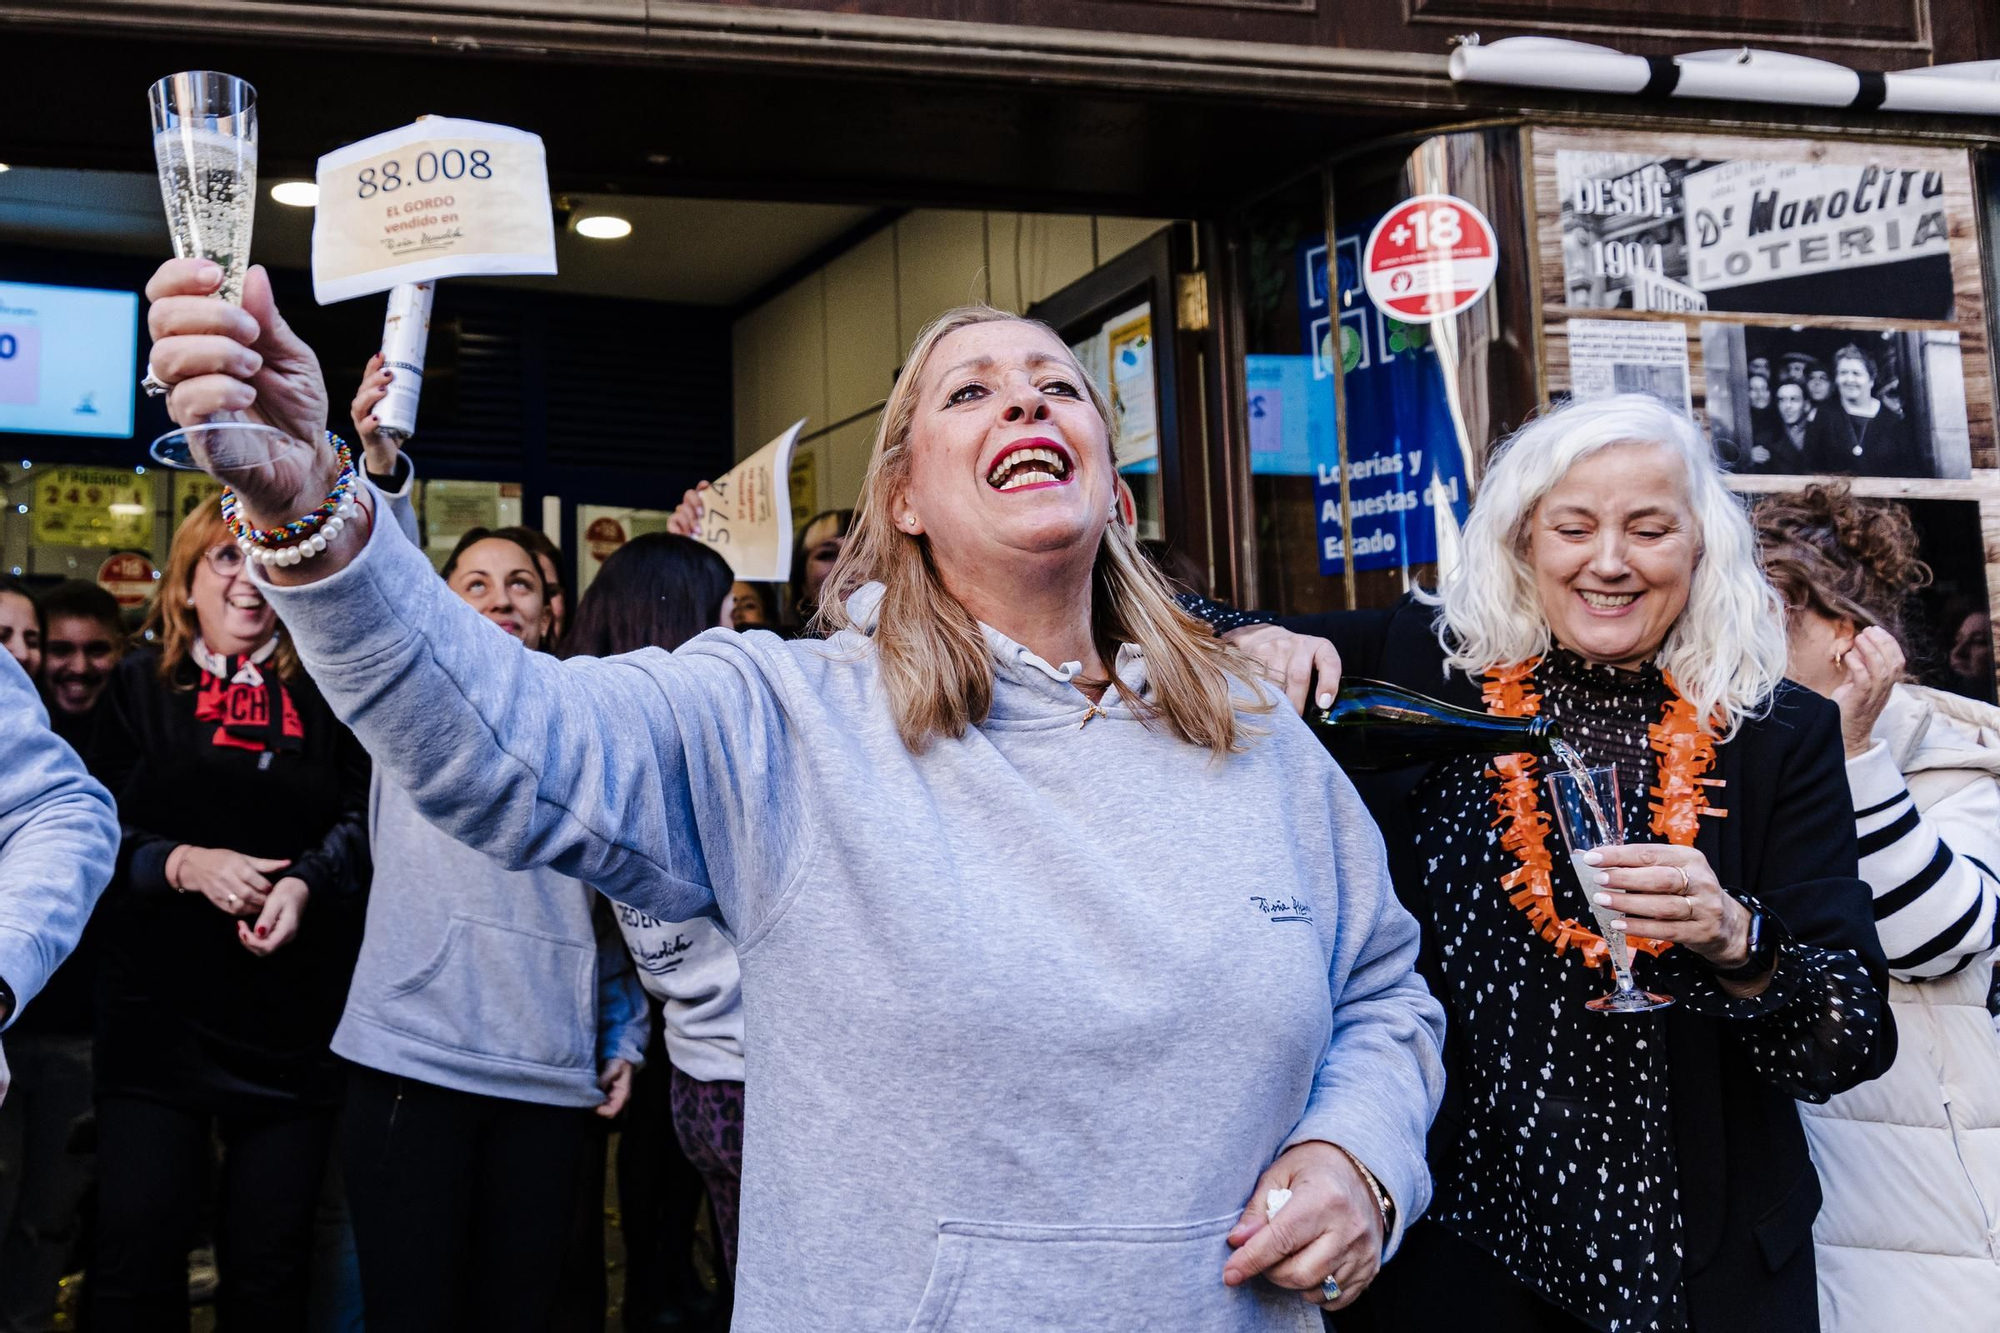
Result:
{"points": [[1030, 463], [1607, 601]]}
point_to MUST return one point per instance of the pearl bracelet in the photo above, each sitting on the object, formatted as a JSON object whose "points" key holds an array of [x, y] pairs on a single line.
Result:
{"points": [[305, 537]]}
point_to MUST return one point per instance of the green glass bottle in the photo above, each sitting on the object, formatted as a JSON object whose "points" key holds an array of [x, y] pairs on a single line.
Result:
{"points": [[1373, 725]]}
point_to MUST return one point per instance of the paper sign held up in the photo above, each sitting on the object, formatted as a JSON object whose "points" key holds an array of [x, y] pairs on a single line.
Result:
{"points": [[440, 198], [747, 515]]}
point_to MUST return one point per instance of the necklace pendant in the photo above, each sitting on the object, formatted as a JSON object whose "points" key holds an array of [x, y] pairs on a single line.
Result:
{"points": [[1093, 711]]}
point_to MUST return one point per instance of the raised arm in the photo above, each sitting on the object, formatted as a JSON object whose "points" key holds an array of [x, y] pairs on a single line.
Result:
{"points": [[1933, 868], [58, 840], [644, 776], [1932, 871]]}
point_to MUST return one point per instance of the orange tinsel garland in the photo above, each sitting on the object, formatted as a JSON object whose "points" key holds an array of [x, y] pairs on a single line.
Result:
{"points": [[1687, 753]]}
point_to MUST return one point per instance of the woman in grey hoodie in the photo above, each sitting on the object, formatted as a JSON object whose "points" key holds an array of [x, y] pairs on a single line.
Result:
{"points": [[1075, 993], [492, 1013]]}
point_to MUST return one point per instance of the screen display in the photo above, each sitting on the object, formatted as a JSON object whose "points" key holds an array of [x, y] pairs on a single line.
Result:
{"points": [[68, 360]]}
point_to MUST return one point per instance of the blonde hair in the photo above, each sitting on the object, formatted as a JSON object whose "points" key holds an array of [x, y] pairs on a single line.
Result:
{"points": [[170, 620], [936, 664], [1726, 651]]}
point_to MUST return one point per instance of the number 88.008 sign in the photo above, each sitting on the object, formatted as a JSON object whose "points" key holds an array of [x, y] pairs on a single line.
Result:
{"points": [[440, 198], [1429, 258]]}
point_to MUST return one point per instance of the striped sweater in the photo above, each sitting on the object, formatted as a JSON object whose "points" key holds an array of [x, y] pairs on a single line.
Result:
{"points": [[1909, 1234], [1930, 858]]}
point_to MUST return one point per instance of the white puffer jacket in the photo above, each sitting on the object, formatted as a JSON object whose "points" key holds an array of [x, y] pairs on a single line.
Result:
{"points": [[1909, 1238]]}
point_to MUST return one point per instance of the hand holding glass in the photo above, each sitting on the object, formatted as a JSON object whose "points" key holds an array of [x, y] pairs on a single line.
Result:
{"points": [[205, 142], [1590, 816]]}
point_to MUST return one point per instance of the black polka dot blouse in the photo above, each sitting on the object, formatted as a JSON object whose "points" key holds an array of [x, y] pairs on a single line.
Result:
{"points": [[1565, 1168]]}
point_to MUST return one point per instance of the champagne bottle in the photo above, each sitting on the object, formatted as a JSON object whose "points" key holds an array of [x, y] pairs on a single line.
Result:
{"points": [[1373, 725]]}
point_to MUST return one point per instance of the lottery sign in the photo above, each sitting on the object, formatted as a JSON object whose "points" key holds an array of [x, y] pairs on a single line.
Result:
{"points": [[1429, 258]]}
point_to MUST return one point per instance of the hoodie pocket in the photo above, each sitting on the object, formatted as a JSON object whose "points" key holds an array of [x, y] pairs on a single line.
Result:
{"points": [[1004, 1277], [499, 991]]}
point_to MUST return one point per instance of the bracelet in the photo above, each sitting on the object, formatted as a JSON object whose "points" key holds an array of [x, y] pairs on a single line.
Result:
{"points": [[305, 537], [1384, 1205]]}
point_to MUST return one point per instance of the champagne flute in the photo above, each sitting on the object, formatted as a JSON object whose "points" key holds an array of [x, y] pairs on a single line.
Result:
{"points": [[1590, 816], [205, 142]]}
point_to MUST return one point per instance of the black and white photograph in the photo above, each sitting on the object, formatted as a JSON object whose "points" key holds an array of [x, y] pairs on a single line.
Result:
{"points": [[1648, 232], [1851, 402]]}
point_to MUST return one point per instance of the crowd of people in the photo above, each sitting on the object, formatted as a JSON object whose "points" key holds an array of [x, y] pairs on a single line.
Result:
{"points": [[1807, 419], [994, 947]]}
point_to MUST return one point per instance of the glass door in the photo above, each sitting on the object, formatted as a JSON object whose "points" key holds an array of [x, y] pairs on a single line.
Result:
{"points": [[1367, 416]]}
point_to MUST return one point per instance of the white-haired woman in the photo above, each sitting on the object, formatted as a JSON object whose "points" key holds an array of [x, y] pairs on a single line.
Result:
{"points": [[1623, 1172], [1055, 963]]}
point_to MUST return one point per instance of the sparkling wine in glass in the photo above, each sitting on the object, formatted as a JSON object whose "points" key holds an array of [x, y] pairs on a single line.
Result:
{"points": [[1590, 816], [205, 142]]}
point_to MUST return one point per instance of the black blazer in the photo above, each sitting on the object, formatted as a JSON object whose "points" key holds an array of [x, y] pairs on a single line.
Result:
{"points": [[1748, 1190]]}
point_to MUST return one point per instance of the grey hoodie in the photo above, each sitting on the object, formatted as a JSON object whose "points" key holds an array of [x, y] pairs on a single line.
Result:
{"points": [[454, 937], [1025, 1015]]}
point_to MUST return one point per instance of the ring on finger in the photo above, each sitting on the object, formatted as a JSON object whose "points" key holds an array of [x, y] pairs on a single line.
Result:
{"points": [[1329, 1289], [1687, 885], [233, 900], [154, 386]]}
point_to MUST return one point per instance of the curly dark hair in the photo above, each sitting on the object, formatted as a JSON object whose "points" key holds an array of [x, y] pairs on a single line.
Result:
{"points": [[1826, 551]]}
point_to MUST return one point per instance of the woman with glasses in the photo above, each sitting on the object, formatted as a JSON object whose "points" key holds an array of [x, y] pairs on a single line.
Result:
{"points": [[228, 934]]}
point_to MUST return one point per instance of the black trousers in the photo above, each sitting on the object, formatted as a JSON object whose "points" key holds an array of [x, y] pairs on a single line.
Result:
{"points": [[1439, 1282], [153, 1174], [461, 1203]]}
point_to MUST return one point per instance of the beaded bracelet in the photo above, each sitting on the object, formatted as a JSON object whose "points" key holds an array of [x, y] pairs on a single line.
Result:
{"points": [[305, 537]]}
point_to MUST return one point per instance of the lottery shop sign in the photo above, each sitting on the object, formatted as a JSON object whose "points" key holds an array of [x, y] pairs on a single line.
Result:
{"points": [[1429, 258]]}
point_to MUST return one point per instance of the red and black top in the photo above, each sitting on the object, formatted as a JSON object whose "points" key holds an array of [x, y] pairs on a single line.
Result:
{"points": [[226, 757]]}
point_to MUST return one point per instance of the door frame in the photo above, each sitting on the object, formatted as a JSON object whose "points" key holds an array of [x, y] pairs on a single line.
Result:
{"points": [[1183, 358]]}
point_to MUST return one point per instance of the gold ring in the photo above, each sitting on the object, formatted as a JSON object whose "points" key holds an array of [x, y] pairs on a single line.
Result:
{"points": [[1686, 883]]}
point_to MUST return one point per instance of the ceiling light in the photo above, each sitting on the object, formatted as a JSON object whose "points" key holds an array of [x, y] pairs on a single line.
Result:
{"points": [[603, 227], [299, 194]]}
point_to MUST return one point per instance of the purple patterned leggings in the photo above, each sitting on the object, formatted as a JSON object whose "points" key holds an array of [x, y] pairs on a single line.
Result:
{"points": [[708, 1118]]}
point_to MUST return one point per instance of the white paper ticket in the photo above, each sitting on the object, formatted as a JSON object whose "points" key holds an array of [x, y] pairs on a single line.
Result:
{"points": [[440, 198]]}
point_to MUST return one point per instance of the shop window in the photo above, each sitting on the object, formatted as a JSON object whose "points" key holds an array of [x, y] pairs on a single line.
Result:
{"points": [[1366, 423], [447, 510]]}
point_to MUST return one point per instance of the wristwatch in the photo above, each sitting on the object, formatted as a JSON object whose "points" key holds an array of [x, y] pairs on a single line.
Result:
{"points": [[1763, 952]]}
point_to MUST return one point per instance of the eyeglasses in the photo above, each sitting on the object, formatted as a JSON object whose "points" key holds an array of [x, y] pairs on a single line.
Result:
{"points": [[224, 560]]}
